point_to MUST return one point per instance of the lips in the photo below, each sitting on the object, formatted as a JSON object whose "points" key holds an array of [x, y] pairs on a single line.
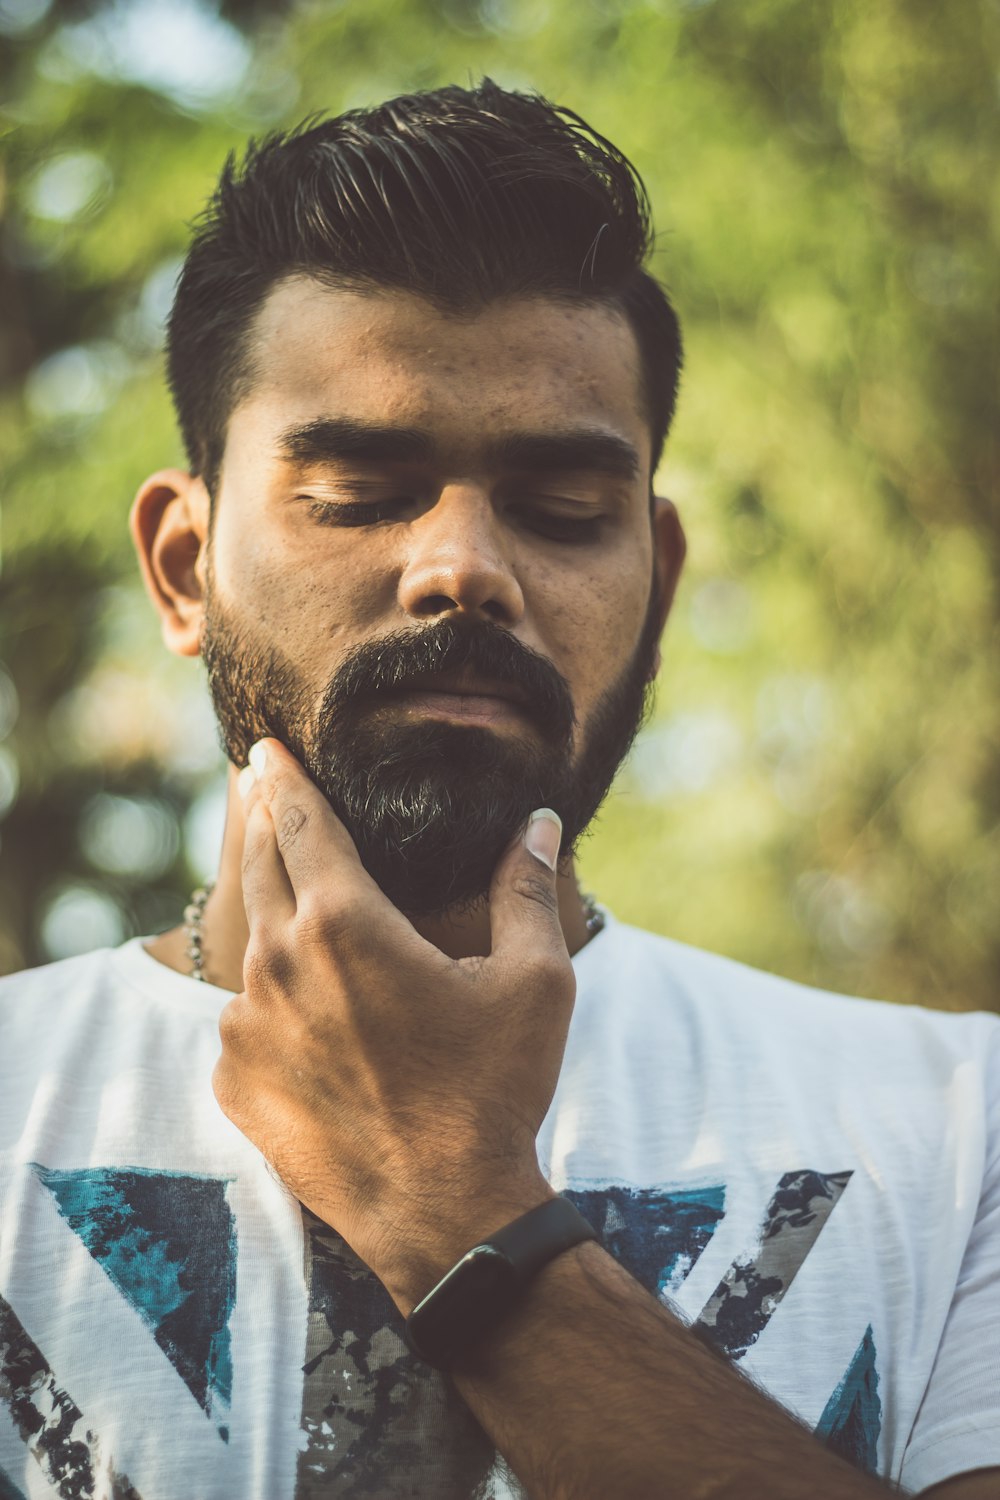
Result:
{"points": [[461, 684]]}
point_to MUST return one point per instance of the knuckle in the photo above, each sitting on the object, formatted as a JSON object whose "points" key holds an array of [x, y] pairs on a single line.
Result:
{"points": [[289, 824], [222, 1086], [538, 889], [229, 1090], [329, 922], [230, 1024], [235, 1026]]}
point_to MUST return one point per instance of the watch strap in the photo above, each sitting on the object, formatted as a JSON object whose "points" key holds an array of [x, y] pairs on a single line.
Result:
{"points": [[541, 1234], [478, 1291]]}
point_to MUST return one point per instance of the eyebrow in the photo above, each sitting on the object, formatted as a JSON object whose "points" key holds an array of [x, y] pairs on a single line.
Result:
{"points": [[564, 450]]}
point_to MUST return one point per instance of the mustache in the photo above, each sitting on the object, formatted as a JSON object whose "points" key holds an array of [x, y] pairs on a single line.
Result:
{"points": [[381, 667]]}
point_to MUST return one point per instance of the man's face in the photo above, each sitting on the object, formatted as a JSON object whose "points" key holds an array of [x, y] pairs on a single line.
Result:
{"points": [[431, 573]]}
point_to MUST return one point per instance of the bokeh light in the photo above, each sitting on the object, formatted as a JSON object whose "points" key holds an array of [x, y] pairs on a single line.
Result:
{"points": [[132, 836], [77, 919]]}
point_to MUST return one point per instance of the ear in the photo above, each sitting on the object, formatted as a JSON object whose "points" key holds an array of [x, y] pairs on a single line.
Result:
{"points": [[669, 551], [169, 525]]}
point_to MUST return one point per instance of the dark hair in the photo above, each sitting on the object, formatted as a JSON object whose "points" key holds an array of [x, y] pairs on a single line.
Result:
{"points": [[461, 195]]}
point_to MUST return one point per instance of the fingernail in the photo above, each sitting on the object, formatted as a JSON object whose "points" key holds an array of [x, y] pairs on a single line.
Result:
{"points": [[245, 781], [258, 758], [543, 836]]}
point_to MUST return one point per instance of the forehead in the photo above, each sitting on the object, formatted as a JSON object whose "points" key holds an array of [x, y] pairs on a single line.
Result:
{"points": [[521, 363]]}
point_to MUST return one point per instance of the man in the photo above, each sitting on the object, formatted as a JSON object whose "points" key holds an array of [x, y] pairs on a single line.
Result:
{"points": [[728, 1237]]}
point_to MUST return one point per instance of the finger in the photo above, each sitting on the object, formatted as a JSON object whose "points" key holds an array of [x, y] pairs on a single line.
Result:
{"points": [[317, 851], [267, 892], [524, 904], [311, 838]]}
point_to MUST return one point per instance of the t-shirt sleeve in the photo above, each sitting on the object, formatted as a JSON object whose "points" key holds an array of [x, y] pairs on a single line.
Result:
{"points": [[958, 1425]]}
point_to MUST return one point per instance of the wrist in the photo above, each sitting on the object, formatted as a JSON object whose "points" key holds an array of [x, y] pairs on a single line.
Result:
{"points": [[422, 1248], [481, 1291]]}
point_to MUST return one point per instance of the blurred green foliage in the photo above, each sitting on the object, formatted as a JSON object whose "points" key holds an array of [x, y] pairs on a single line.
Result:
{"points": [[817, 792]]}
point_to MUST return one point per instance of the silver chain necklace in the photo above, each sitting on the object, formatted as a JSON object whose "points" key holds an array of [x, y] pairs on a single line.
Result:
{"points": [[194, 929], [194, 926], [594, 917]]}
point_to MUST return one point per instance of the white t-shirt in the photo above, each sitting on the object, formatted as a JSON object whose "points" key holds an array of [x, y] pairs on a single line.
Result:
{"points": [[814, 1180]]}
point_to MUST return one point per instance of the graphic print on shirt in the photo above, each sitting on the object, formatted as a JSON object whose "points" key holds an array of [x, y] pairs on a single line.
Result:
{"points": [[9, 1490], [743, 1303], [655, 1233], [852, 1418], [376, 1420], [168, 1243], [379, 1422], [50, 1423]]}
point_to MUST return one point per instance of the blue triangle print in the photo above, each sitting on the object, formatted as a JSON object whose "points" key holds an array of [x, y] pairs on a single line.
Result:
{"points": [[852, 1418], [656, 1233], [8, 1489], [168, 1244]]}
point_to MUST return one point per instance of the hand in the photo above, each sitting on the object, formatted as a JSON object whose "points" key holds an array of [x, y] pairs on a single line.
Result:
{"points": [[396, 1091]]}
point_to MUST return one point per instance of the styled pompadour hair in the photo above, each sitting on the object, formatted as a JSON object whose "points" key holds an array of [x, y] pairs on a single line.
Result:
{"points": [[463, 196]]}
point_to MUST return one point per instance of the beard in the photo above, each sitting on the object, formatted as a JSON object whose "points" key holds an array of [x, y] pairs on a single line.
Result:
{"points": [[431, 806]]}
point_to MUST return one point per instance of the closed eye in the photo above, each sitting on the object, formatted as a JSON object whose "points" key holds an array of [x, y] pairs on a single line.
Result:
{"points": [[554, 527], [359, 512], [572, 530]]}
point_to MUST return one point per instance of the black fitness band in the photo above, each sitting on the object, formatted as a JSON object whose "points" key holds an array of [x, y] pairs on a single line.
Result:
{"points": [[480, 1288]]}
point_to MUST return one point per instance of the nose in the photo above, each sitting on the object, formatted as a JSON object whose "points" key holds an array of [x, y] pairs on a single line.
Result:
{"points": [[456, 563]]}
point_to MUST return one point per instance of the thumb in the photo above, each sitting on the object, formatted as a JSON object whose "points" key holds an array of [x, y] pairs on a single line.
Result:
{"points": [[524, 905]]}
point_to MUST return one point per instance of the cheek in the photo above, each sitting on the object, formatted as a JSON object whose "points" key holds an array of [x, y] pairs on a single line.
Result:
{"points": [[299, 593], [591, 627], [595, 611]]}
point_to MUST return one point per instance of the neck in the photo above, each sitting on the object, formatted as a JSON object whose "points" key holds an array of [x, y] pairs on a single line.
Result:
{"points": [[459, 934]]}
